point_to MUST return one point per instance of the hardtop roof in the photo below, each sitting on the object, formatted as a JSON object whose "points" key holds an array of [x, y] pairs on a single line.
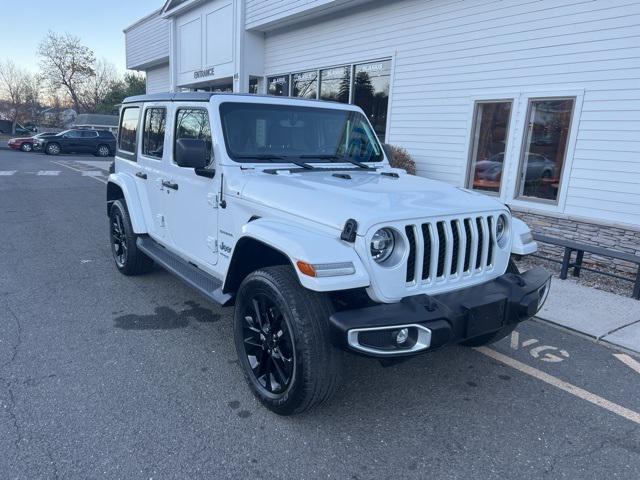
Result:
{"points": [[206, 96]]}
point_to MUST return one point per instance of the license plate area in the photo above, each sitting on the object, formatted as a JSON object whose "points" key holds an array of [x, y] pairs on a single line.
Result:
{"points": [[486, 315]]}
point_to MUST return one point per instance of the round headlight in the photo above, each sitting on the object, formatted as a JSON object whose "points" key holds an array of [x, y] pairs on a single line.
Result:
{"points": [[382, 244], [501, 230]]}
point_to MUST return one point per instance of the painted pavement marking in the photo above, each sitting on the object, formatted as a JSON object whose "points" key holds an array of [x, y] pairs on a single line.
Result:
{"points": [[562, 385], [628, 361], [92, 173], [52, 173], [7, 173], [78, 170]]}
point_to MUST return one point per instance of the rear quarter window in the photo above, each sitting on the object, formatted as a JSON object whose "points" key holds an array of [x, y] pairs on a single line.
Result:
{"points": [[128, 132]]}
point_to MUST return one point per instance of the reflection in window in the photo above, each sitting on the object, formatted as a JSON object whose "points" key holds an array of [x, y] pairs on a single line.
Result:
{"points": [[305, 84], [155, 120], [371, 93], [278, 86], [335, 84], [128, 129], [489, 139], [194, 123], [255, 132], [254, 85], [545, 147]]}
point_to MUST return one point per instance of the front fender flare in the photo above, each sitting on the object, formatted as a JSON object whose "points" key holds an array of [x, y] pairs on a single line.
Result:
{"points": [[313, 247], [132, 199]]}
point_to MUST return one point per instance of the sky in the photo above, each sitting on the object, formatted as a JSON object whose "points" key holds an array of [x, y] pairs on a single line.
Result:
{"points": [[99, 25]]}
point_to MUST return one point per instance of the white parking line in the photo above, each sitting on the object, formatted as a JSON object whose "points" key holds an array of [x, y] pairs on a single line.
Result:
{"points": [[562, 385], [49, 172], [77, 170], [92, 173], [6, 173], [628, 361]]}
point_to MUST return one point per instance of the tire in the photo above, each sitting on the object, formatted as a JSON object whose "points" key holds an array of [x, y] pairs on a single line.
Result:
{"points": [[296, 367], [26, 147], [129, 260], [103, 151], [53, 149], [493, 337]]}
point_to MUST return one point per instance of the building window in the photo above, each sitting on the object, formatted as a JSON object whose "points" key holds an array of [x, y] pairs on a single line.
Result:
{"points": [[335, 84], [488, 144], [365, 85], [128, 129], [278, 86], [305, 84], [155, 120], [371, 93], [194, 123], [545, 147], [254, 85]]}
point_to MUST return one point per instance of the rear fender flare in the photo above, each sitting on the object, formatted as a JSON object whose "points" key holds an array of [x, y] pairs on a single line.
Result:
{"points": [[130, 193]]}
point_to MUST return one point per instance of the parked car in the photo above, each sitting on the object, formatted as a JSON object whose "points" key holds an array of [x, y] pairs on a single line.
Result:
{"points": [[289, 209], [24, 143], [538, 166], [97, 142]]}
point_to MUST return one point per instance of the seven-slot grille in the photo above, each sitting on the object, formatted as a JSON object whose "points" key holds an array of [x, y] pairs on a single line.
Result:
{"points": [[449, 248]]}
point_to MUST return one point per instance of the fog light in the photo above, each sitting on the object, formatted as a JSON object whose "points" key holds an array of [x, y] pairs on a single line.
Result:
{"points": [[402, 336]]}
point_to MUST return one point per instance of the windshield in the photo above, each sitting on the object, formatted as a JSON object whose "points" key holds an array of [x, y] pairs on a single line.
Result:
{"points": [[266, 132]]}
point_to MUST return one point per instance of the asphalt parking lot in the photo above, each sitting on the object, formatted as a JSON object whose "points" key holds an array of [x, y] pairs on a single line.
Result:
{"points": [[108, 376]]}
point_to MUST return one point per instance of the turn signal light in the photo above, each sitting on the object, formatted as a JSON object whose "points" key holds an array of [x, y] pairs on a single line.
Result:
{"points": [[306, 268]]}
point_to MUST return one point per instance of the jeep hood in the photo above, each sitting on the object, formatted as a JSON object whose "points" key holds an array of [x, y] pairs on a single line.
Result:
{"points": [[368, 197]]}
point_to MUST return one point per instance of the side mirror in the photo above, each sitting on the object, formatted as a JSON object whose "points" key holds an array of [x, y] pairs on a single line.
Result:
{"points": [[191, 153]]}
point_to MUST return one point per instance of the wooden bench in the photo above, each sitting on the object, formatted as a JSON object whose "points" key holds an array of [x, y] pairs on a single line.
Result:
{"points": [[571, 246]]}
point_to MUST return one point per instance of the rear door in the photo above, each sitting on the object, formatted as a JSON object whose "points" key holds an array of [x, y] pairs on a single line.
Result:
{"points": [[153, 162], [128, 154]]}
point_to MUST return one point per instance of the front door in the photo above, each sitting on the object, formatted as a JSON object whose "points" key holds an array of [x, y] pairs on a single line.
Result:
{"points": [[191, 206]]}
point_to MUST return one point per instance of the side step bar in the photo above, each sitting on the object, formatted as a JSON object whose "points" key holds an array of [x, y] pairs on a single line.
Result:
{"points": [[208, 285]]}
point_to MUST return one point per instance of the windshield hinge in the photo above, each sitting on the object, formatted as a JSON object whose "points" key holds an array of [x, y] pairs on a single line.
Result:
{"points": [[349, 231]]}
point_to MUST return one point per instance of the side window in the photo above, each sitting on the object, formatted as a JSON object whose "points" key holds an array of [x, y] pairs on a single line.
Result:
{"points": [[89, 134], [74, 134], [193, 123], [489, 144], [155, 120], [545, 148], [128, 129]]}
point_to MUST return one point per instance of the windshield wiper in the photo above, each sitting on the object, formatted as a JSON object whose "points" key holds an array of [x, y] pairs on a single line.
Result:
{"points": [[273, 158], [338, 158]]}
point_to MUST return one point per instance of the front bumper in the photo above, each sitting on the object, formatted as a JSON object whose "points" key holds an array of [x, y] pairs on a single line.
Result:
{"points": [[432, 322]]}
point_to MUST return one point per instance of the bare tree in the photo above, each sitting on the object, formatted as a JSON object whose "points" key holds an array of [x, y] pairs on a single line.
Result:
{"points": [[99, 85], [66, 64], [33, 96], [13, 86]]}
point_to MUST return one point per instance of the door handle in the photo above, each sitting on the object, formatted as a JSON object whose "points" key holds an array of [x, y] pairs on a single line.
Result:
{"points": [[141, 175], [168, 184]]}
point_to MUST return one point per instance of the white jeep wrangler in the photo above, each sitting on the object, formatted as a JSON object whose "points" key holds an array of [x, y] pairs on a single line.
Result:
{"points": [[289, 209]]}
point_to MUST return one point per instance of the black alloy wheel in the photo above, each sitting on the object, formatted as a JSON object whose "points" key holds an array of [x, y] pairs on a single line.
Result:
{"points": [[281, 333], [268, 345], [118, 239]]}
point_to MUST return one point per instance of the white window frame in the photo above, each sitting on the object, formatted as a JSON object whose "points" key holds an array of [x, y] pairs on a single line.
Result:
{"points": [[516, 143], [507, 165]]}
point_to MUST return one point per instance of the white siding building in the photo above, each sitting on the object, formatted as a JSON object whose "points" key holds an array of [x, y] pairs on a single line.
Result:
{"points": [[537, 102]]}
